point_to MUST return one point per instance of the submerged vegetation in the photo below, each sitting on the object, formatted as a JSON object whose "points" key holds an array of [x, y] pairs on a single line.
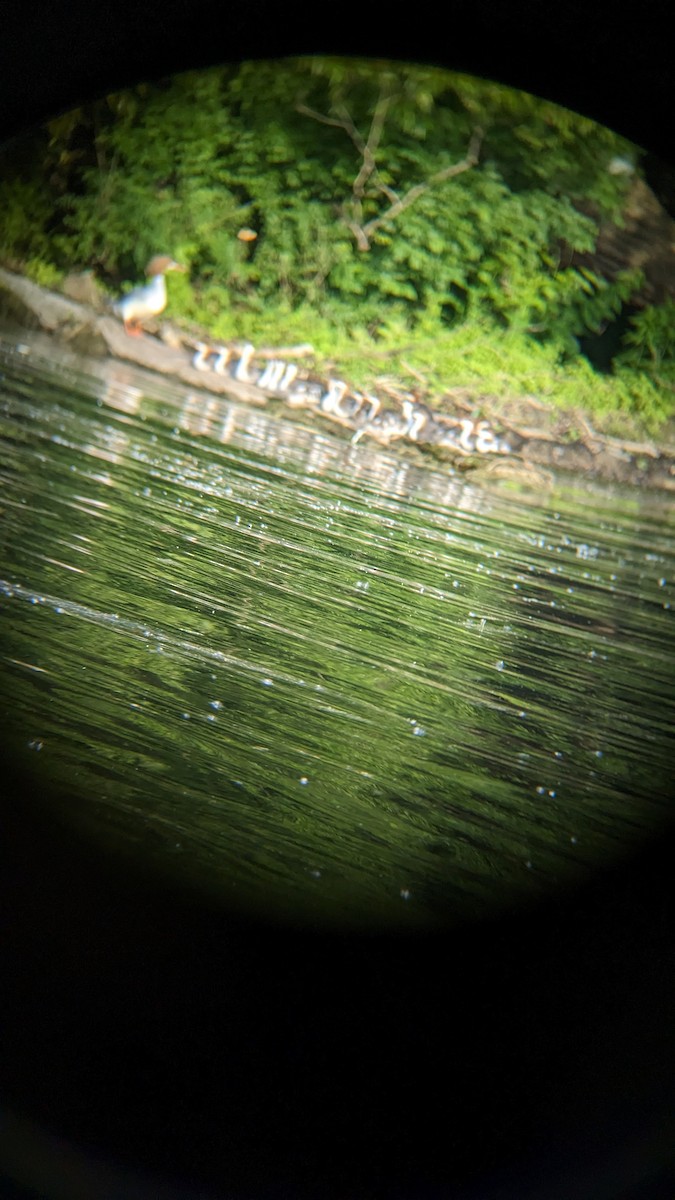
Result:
{"points": [[407, 221]]}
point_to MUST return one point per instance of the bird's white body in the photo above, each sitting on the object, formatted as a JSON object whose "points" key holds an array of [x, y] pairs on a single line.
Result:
{"points": [[143, 302], [241, 371], [201, 356], [336, 391], [223, 355], [149, 300]]}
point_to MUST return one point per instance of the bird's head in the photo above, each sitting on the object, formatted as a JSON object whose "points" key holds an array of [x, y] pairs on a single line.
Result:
{"points": [[162, 263]]}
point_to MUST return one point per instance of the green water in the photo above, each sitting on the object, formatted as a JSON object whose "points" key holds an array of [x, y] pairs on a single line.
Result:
{"points": [[323, 681]]}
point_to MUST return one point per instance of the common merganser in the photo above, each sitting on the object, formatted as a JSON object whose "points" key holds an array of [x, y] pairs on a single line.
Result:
{"points": [[201, 356], [331, 398], [375, 406], [148, 301], [348, 407], [466, 435], [486, 441], [223, 355], [447, 434], [418, 416], [241, 371], [278, 375], [306, 393], [384, 427]]}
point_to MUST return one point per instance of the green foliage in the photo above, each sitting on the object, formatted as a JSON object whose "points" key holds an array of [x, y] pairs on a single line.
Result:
{"points": [[650, 342], [486, 359], [25, 211], [43, 273], [392, 205], [583, 302]]}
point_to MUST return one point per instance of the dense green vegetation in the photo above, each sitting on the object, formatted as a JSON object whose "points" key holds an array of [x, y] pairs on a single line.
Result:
{"points": [[409, 221]]}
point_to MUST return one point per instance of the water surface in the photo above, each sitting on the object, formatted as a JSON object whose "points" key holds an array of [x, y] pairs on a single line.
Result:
{"points": [[325, 682]]}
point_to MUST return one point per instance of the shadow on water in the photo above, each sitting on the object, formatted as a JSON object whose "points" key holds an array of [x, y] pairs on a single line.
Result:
{"points": [[339, 826]]}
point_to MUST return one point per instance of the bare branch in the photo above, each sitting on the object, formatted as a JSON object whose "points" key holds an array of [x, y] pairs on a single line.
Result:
{"points": [[397, 204], [317, 116], [415, 374], [391, 195], [414, 193], [368, 167], [356, 230], [366, 149]]}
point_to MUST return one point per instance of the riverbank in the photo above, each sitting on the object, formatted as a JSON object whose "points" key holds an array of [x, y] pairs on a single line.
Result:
{"points": [[519, 436]]}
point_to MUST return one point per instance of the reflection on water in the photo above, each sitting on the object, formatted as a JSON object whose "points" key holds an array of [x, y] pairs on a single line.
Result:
{"points": [[321, 681]]}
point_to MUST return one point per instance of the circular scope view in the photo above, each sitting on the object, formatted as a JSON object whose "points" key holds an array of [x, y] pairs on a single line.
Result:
{"points": [[338, 454]]}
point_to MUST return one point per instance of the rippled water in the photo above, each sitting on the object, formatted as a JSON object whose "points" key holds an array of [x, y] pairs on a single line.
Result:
{"points": [[323, 680]]}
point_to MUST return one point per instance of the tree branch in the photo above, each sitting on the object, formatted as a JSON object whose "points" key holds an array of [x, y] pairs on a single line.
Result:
{"points": [[397, 204], [317, 116], [366, 149], [414, 193], [369, 148]]}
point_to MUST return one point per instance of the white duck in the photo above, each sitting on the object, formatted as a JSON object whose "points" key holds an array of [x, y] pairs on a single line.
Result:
{"points": [[418, 416], [200, 359], [223, 354], [147, 301], [242, 372]]}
